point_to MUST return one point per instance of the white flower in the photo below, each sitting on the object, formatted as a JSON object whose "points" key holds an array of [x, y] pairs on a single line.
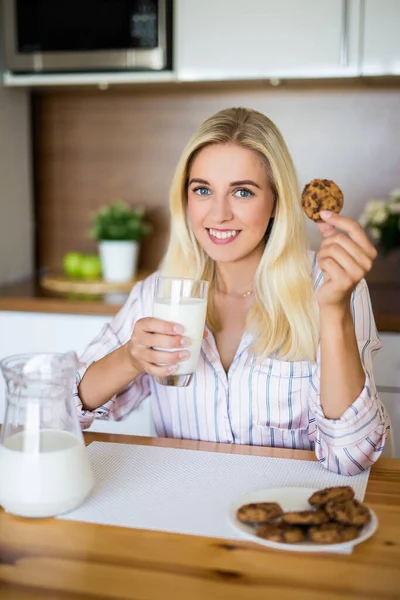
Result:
{"points": [[380, 216], [395, 195], [371, 209], [375, 233]]}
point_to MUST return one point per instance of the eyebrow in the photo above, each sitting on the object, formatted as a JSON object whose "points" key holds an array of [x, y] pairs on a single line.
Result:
{"points": [[245, 182], [198, 181], [232, 184]]}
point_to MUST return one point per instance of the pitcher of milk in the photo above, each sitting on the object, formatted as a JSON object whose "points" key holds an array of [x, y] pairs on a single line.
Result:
{"points": [[44, 469]]}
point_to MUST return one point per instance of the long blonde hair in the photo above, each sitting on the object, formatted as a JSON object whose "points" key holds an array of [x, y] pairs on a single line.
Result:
{"points": [[284, 316]]}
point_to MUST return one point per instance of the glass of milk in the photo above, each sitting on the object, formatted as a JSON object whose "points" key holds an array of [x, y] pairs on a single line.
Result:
{"points": [[44, 469], [182, 301]]}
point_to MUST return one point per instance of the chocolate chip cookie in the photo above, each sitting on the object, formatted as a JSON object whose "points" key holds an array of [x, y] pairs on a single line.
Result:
{"points": [[348, 512], [305, 517], [337, 494], [332, 533], [258, 512], [321, 194], [281, 532], [349, 532]]}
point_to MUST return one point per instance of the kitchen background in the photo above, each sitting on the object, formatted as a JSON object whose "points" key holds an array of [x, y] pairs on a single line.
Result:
{"points": [[326, 72]]}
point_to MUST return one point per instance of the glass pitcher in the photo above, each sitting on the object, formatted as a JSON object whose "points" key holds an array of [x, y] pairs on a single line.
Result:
{"points": [[44, 469]]}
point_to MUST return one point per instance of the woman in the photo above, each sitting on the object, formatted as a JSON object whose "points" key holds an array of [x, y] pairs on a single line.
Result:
{"points": [[286, 359]]}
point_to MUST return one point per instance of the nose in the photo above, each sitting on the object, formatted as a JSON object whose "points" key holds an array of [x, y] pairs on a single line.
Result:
{"points": [[220, 210]]}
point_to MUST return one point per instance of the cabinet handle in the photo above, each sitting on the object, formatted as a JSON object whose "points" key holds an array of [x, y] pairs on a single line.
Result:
{"points": [[344, 38]]}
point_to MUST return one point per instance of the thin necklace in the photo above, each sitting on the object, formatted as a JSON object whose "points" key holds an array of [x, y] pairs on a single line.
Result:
{"points": [[245, 295]]}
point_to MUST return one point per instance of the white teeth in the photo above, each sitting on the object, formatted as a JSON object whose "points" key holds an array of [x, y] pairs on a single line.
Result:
{"points": [[223, 235]]}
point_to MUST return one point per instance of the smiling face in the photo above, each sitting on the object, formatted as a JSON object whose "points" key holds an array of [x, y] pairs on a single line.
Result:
{"points": [[230, 202]]}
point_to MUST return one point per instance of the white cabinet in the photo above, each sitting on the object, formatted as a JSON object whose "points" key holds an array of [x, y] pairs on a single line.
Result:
{"points": [[391, 402], [36, 332], [387, 379], [387, 361], [231, 39], [381, 38]]}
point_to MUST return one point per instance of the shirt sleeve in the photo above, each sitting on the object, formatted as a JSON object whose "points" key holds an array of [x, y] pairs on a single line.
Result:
{"points": [[352, 444], [112, 336]]}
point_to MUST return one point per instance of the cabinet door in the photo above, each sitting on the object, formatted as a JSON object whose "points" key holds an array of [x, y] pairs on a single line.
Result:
{"points": [[391, 402], [35, 332], [387, 361], [231, 39], [381, 38], [387, 379], [41, 332]]}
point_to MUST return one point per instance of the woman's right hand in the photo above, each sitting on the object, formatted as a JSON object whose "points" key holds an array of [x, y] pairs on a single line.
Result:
{"points": [[150, 333]]}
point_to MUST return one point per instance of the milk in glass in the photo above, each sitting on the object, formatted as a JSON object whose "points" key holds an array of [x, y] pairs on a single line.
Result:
{"points": [[191, 313]]}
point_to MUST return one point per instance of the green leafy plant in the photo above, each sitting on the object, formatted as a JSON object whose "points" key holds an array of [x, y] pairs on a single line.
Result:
{"points": [[381, 218], [119, 222]]}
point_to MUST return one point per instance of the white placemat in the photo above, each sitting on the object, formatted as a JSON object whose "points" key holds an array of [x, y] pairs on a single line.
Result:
{"points": [[188, 491]]}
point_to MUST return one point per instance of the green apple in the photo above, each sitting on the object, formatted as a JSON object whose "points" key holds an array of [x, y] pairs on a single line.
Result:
{"points": [[90, 267], [72, 264]]}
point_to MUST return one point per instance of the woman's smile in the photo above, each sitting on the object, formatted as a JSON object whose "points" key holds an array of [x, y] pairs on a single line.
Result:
{"points": [[222, 236]]}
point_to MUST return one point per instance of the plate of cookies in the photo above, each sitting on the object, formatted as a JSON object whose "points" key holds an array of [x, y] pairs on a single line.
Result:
{"points": [[304, 519]]}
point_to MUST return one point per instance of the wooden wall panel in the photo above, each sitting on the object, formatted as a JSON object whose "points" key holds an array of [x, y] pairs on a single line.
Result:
{"points": [[95, 147]]}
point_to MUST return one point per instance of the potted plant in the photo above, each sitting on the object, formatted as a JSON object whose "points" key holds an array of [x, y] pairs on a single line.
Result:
{"points": [[381, 218], [118, 229]]}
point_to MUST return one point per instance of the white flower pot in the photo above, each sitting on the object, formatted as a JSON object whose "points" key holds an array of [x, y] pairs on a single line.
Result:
{"points": [[118, 260]]}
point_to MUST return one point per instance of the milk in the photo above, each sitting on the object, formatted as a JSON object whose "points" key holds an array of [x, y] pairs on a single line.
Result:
{"points": [[191, 313], [46, 483]]}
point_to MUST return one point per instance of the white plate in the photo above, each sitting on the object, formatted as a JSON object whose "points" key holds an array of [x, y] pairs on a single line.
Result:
{"points": [[293, 498]]}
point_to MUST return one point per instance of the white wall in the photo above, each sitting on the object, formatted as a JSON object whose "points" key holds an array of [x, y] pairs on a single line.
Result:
{"points": [[350, 134], [352, 137], [16, 222]]}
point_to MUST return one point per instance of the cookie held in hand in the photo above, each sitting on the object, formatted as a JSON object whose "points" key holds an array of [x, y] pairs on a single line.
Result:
{"points": [[321, 194]]}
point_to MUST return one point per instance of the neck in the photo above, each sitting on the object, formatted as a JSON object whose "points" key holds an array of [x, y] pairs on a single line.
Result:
{"points": [[237, 278]]}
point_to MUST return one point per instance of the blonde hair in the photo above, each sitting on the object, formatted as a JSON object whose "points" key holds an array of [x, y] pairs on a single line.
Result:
{"points": [[284, 316]]}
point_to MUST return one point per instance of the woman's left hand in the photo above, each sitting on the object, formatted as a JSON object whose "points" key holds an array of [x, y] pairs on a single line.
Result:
{"points": [[343, 259]]}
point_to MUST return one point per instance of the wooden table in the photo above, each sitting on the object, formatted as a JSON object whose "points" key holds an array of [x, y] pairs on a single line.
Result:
{"points": [[65, 560]]}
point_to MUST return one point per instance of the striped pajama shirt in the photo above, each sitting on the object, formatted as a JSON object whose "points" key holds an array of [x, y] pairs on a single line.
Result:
{"points": [[269, 403]]}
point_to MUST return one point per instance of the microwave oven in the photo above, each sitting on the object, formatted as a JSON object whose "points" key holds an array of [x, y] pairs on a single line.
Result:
{"points": [[52, 36]]}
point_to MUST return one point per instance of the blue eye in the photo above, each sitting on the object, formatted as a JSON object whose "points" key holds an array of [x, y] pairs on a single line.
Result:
{"points": [[202, 191], [243, 193]]}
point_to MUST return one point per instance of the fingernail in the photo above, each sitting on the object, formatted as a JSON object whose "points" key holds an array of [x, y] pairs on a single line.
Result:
{"points": [[178, 328], [183, 354], [326, 214], [172, 368], [185, 341]]}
